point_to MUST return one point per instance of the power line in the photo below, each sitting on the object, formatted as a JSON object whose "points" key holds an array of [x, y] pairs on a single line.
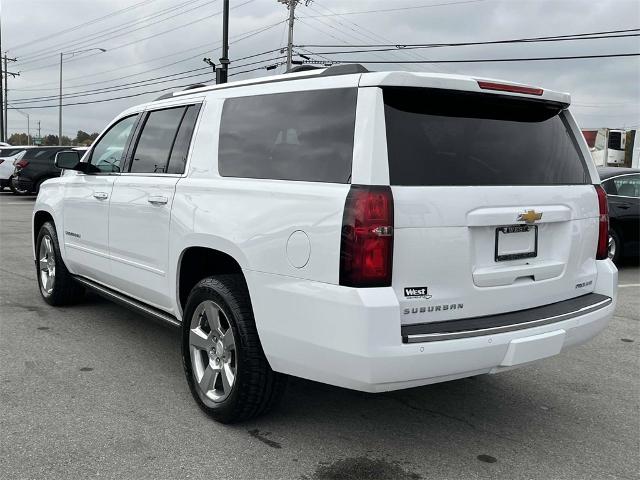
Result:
{"points": [[108, 34], [105, 89], [415, 7], [482, 60], [464, 44], [373, 35], [584, 34], [140, 83], [117, 47], [82, 25], [153, 91], [235, 39]]}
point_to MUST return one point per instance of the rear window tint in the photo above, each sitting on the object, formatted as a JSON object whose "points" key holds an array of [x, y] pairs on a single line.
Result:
{"points": [[439, 137], [304, 136]]}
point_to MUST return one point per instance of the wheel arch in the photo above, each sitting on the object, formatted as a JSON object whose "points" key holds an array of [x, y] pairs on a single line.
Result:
{"points": [[40, 217], [196, 262]]}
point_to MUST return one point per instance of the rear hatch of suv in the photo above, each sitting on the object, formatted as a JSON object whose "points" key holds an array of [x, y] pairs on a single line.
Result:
{"points": [[494, 206]]}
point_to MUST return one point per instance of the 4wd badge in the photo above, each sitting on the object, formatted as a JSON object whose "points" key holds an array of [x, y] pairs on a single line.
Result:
{"points": [[416, 292]]}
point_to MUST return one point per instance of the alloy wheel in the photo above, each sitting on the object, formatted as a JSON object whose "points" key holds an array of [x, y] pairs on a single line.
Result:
{"points": [[212, 349], [47, 263], [612, 247]]}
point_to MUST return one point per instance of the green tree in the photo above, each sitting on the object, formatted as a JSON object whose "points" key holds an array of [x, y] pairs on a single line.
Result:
{"points": [[18, 139], [50, 140], [82, 137]]}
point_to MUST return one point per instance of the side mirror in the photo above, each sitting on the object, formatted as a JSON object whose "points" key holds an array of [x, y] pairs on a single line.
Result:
{"points": [[69, 160]]}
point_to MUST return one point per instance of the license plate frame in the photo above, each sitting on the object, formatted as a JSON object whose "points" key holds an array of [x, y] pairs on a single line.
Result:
{"points": [[511, 229]]}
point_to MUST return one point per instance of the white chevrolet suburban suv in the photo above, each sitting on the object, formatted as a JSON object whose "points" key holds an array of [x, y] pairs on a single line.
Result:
{"points": [[371, 230]]}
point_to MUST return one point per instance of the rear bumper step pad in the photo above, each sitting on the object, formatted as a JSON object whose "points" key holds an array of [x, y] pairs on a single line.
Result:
{"points": [[504, 322]]}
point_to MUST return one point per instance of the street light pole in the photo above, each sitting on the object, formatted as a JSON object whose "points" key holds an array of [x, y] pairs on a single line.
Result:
{"points": [[62, 54]]}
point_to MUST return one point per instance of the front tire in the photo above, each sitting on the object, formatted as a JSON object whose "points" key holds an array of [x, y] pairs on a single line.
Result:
{"points": [[57, 286], [227, 372]]}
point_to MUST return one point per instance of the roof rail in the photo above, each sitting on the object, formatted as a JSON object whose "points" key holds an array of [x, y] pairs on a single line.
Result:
{"points": [[304, 68], [342, 69], [164, 96]]}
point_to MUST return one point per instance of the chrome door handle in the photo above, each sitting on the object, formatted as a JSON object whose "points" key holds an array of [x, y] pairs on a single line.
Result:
{"points": [[100, 195], [157, 199]]}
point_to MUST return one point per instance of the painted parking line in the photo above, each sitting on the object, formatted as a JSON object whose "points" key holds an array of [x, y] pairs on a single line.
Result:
{"points": [[623, 285]]}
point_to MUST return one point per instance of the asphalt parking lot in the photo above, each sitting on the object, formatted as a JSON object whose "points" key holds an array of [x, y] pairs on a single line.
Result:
{"points": [[95, 390]]}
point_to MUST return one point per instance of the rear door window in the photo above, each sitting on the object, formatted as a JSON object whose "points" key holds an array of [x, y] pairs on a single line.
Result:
{"points": [[180, 150], [440, 137], [306, 136], [153, 149]]}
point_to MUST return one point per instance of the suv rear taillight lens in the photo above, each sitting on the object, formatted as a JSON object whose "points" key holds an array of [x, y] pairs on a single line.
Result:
{"points": [[366, 250], [21, 163], [603, 225]]}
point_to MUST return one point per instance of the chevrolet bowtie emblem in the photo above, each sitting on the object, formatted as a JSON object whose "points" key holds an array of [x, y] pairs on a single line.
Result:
{"points": [[530, 216]]}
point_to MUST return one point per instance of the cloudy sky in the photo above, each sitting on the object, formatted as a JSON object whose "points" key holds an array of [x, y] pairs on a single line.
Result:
{"points": [[158, 44]]}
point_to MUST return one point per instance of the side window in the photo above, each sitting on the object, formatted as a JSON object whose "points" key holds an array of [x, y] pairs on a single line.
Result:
{"points": [[108, 151], [180, 149], [304, 136], [609, 187], [153, 149], [628, 186]]}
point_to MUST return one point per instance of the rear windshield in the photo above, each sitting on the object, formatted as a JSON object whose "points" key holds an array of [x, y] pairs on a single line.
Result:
{"points": [[42, 153], [439, 137], [10, 152]]}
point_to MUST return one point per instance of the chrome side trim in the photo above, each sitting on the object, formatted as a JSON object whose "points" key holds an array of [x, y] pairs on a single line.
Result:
{"points": [[129, 302], [433, 337]]}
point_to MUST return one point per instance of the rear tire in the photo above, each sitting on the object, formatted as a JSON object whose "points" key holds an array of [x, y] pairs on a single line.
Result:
{"points": [[18, 191], [57, 285], [615, 246], [226, 369]]}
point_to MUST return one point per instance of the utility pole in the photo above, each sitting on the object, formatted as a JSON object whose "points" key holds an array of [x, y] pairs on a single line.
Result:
{"points": [[292, 17], [5, 59], [291, 5], [39, 129], [222, 72]]}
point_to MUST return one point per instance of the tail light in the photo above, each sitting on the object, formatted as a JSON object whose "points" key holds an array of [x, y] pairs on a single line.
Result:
{"points": [[366, 250], [602, 253], [21, 163]]}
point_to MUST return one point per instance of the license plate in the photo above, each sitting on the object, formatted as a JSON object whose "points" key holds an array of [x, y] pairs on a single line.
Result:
{"points": [[514, 242]]}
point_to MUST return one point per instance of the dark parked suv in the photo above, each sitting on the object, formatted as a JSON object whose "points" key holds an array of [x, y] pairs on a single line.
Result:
{"points": [[35, 167]]}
